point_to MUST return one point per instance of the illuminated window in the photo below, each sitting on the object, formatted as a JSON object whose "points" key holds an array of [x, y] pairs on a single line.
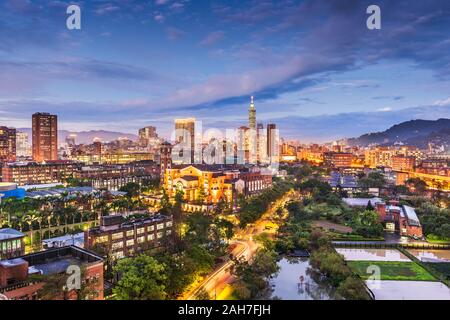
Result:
{"points": [[101, 239], [117, 245], [130, 233], [117, 236], [130, 243]]}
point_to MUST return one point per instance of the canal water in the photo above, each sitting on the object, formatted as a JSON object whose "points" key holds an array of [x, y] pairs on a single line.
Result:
{"points": [[358, 254], [288, 284], [431, 255]]}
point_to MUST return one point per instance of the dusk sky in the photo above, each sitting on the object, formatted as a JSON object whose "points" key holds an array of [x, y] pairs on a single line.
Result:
{"points": [[313, 66]]}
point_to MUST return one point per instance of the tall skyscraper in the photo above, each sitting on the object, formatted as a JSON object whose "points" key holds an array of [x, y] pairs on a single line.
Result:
{"points": [[271, 127], [23, 147], [185, 131], [252, 115], [7, 144], [45, 137]]}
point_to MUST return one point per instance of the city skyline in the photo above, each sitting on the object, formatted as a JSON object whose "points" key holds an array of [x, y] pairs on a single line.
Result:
{"points": [[313, 67]]}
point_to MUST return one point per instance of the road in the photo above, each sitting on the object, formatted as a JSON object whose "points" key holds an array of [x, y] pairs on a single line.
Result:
{"points": [[215, 283]]}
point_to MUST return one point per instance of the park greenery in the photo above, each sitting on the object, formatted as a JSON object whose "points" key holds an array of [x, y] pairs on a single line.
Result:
{"points": [[253, 208], [330, 267], [392, 270], [252, 279]]}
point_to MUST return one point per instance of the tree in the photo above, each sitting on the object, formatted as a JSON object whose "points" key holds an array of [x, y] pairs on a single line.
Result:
{"points": [[369, 206], [373, 180], [204, 261], [141, 278], [417, 185], [352, 289], [132, 189], [367, 224], [202, 294]]}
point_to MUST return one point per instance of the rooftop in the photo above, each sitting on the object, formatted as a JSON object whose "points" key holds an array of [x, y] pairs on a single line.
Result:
{"points": [[8, 233], [361, 202], [411, 215]]}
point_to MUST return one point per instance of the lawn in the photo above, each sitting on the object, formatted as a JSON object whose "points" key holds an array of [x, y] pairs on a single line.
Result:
{"points": [[391, 270]]}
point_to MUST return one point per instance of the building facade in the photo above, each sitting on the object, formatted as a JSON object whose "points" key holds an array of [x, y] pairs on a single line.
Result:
{"points": [[31, 173], [7, 144], [16, 283], [45, 137], [127, 238], [11, 243]]}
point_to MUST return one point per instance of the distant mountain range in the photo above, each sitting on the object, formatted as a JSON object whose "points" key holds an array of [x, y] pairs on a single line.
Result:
{"points": [[86, 137], [415, 132]]}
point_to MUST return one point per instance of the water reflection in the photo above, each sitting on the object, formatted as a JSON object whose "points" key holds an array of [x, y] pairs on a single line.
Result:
{"points": [[297, 281], [431, 255], [372, 255]]}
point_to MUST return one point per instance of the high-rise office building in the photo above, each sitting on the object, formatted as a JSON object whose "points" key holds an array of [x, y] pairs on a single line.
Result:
{"points": [[271, 137], [45, 137], [7, 144], [252, 115], [23, 147], [184, 132]]}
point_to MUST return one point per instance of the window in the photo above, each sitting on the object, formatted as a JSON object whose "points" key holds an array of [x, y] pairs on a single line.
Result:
{"points": [[151, 237], [168, 232], [169, 224], [141, 239], [117, 245], [101, 239], [130, 243], [140, 230], [130, 233], [118, 255], [117, 236], [160, 226], [160, 235], [150, 228]]}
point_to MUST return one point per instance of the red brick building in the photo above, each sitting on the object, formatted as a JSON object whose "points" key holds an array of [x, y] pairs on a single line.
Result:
{"points": [[22, 278]]}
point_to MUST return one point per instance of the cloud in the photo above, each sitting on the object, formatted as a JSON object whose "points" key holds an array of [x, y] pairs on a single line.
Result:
{"points": [[385, 109], [212, 38], [445, 102], [158, 17], [161, 2], [174, 33], [106, 8]]}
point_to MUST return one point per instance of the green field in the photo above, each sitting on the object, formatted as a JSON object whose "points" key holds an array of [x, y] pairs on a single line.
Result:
{"points": [[392, 270], [443, 268]]}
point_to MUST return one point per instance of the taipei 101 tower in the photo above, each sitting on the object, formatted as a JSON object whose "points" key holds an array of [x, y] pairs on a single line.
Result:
{"points": [[252, 115]]}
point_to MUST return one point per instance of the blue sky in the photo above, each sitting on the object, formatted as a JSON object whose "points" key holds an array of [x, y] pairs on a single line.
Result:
{"points": [[313, 66]]}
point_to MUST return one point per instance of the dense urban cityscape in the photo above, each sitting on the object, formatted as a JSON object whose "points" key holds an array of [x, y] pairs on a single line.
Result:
{"points": [[236, 155], [109, 207]]}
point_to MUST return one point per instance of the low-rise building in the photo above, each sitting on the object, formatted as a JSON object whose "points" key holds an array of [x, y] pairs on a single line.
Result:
{"points": [[210, 184], [22, 278], [34, 173], [397, 218], [123, 238], [11, 243]]}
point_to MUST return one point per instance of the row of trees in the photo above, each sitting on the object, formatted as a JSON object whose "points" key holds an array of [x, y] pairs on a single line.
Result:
{"points": [[331, 268], [253, 208]]}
